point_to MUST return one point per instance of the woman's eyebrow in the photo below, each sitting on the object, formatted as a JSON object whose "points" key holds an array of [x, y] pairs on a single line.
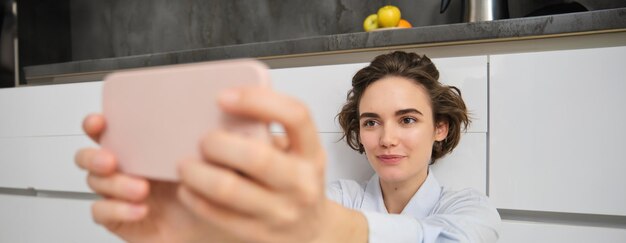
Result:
{"points": [[398, 113], [407, 111], [369, 115]]}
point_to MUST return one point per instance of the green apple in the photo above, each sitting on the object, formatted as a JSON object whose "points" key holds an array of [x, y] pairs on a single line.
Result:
{"points": [[371, 22]]}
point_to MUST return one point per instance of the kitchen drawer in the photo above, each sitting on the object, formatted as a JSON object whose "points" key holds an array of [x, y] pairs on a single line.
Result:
{"points": [[466, 166], [524, 232], [35, 219], [342, 161], [556, 140], [47, 110], [469, 74], [44, 163]]}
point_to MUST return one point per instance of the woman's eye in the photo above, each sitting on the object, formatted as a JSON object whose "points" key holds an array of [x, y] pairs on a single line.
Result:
{"points": [[408, 120], [369, 123]]}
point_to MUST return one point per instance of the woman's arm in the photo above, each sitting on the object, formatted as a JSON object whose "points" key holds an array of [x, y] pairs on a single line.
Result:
{"points": [[461, 216], [262, 191]]}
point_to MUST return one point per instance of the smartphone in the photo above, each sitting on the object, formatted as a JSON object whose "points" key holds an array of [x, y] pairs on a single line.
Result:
{"points": [[156, 117]]}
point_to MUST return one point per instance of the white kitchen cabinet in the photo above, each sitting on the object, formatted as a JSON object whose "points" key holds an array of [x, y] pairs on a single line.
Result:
{"points": [[40, 131], [466, 166], [343, 162], [324, 88], [33, 219], [43, 163], [556, 139], [524, 232], [41, 126], [469, 74], [47, 110]]}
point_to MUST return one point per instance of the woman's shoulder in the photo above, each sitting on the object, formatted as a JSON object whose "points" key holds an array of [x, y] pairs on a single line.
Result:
{"points": [[452, 200], [463, 194]]}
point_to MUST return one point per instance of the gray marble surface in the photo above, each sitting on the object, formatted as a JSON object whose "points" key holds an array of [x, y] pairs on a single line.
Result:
{"points": [[510, 28], [116, 28]]}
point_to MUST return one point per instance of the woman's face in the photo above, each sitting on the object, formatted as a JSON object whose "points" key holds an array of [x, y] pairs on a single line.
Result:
{"points": [[397, 129]]}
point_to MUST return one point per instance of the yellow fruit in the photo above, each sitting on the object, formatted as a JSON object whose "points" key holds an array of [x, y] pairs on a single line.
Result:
{"points": [[370, 23], [388, 16]]}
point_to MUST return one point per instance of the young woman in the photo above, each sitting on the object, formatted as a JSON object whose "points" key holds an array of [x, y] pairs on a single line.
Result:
{"points": [[403, 119], [242, 190]]}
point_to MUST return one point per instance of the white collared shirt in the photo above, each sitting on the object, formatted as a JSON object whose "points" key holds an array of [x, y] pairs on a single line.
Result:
{"points": [[434, 214]]}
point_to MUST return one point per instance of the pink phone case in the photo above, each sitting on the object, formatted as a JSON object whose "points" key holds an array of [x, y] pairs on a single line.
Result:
{"points": [[156, 117]]}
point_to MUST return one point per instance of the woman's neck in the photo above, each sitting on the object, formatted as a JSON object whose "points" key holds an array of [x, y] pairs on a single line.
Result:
{"points": [[396, 195]]}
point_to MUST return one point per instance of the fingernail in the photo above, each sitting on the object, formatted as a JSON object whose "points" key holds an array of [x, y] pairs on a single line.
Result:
{"points": [[229, 96]]}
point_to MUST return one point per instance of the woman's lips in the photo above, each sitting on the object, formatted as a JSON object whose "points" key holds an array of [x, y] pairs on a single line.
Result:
{"points": [[391, 159]]}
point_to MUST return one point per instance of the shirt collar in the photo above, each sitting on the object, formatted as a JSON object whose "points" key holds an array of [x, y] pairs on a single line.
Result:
{"points": [[420, 205]]}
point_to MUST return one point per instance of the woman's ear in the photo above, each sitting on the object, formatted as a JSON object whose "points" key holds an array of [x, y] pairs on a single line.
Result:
{"points": [[441, 130]]}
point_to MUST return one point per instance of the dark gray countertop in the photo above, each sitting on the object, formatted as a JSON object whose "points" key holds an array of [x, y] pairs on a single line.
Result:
{"points": [[593, 21]]}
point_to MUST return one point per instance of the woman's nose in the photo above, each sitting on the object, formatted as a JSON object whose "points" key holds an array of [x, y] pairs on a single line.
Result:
{"points": [[389, 137]]}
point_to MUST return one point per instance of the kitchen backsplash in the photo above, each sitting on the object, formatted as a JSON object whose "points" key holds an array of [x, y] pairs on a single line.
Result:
{"points": [[116, 28]]}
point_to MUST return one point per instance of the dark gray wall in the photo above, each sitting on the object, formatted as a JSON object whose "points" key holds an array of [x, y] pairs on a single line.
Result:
{"points": [[116, 28], [43, 28], [8, 30], [44, 31]]}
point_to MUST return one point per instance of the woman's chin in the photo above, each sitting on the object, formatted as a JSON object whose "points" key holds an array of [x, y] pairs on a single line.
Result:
{"points": [[392, 176]]}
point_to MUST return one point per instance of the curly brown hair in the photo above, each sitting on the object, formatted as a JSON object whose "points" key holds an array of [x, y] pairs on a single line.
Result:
{"points": [[446, 101]]}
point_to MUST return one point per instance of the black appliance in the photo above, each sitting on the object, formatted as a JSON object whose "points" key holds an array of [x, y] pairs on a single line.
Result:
{"points": [[8, 33]]}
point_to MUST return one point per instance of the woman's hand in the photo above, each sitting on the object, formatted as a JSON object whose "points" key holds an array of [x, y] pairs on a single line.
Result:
{"points": [[136, 209], [265, 191]]}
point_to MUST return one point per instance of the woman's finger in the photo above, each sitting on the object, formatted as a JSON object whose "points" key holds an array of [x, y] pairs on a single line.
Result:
{"points": [[260, 161], [229, 189], [244, 227], [94, 125], [268, 106], [280, 142], [120, 186], [112, 212], [96, 161]]}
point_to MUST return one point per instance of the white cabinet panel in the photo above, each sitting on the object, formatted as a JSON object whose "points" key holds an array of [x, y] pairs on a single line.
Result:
{"points": [[466, 166], [469, 74], [556, 138], [343, 162], [47, 110], [45, 163], [32, 219], [324, 88], [524, 232]]}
